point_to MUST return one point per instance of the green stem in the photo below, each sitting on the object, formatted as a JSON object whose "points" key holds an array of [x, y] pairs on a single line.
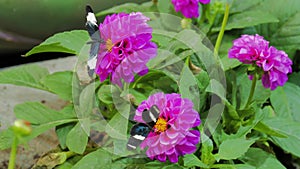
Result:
{"points": [[13, 153], [221, 33], [232, 112], [253, 85], [126, 86]]}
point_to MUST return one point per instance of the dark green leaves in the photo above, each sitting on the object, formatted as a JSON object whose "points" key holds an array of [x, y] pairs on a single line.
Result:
{"points": [[285, 34], [291, 129], [36, 113], [234, 148], [190, 160], [60, 83], [67, 42], [249, 18], [28, 76], [77, 139], [261, 159], [127, 8], [286, 102], [100, 159]]}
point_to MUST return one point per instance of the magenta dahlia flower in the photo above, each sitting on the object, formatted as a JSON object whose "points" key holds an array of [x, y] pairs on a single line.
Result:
{"points": [[128, 47], [188, 8], [254, 49], [276, 66], [172, 135]]}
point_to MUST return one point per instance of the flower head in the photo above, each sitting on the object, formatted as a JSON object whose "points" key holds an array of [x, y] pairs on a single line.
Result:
{"points": [[254, 49], [127, 49], [249, 48], [189, 8], [172, 135], [276, 66]]}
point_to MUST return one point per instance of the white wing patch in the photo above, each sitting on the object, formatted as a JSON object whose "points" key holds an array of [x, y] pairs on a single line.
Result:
{"points": [[90, 17], [92, 62], [139, 137]]}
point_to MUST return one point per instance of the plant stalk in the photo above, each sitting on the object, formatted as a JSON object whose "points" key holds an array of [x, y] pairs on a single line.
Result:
{"points": [[253, 85], [13, 153], [221, 33]]}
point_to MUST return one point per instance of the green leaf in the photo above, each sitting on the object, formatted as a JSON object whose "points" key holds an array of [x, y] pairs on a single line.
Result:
{"points": [[60, 83], [285, 34], [234, 148], [6, 138], [37, 113], [294, 78], [41, 117], [190, 160], [27, 75], [77, 139], [260, 126], [105, 94], [53, 47], [138, 96], [285, 101], [248, 18], [62, 132], [291, 129], [188, 87], [99, 159], [117, 127], [7, 135], [240, 6], [164, 6], [68, 42], [87, 101], [206, 150], [261, 159], [217, 88], [233, 166], [228, 63], [126, 7]]}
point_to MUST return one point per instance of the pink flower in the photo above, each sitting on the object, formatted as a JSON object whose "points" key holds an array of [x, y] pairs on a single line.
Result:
{"points": [[128, 47], [249, 48], [275, 64], [188, 8], [172, 135]]}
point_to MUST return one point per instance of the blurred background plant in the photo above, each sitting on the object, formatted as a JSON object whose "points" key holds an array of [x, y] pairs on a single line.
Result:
{"points": [[25, 24]]}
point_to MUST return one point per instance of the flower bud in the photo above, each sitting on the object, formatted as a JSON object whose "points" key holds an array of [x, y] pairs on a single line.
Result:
{"points": [[22, 127]]}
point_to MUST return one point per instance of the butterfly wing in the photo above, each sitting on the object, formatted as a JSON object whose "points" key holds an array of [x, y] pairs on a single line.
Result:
{"points": [[93, 30], [138, 133], [150, 116]]}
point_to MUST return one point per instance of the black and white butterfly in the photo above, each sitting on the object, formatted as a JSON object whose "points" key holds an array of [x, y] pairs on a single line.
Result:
{"points": [[140, 131], [93, 30]]}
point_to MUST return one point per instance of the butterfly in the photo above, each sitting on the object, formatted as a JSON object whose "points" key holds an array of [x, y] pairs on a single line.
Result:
{"points": [[93, 30], [140, 131]]}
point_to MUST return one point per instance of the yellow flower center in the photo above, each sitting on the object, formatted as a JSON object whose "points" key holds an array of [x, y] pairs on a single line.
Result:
{"points": [[161, 125], [109, 45]]}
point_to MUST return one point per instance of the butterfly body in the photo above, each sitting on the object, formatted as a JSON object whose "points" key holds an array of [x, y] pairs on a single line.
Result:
{"points": [[140, 131]]}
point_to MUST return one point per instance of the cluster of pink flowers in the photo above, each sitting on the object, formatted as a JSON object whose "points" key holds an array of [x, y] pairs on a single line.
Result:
{"points": [[172, 135], [188, 8], [128, 47], [254, 49]]}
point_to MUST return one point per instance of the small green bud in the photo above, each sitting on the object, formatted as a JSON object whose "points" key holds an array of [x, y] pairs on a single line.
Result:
{"points": [[22, 127], [186, 23]]}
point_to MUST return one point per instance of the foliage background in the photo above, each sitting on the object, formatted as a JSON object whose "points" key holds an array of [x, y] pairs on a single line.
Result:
{"points": [[269, 139]]}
